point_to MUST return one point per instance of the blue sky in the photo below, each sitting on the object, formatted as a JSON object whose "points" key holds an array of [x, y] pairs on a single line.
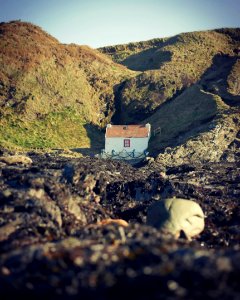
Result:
{"points": [[108, 22]]}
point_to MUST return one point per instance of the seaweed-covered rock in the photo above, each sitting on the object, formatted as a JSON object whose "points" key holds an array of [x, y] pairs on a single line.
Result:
{"points": [[76, 227]]}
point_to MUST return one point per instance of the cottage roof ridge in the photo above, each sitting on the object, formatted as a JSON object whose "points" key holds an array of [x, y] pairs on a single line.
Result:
{"points": [[128, 131]]}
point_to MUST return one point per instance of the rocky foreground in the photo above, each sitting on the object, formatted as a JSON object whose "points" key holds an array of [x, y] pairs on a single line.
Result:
{"points": [[76, 229]]}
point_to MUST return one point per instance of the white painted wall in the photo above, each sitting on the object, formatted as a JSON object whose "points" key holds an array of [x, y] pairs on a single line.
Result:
{"points": [[117, 144]]}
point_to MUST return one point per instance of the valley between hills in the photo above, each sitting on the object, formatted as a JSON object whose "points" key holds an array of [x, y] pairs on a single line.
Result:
{"points": [[62, 96], [75, 226]]}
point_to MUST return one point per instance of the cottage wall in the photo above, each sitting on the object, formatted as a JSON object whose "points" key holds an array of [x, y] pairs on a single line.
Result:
{"points": [[117, 144]]}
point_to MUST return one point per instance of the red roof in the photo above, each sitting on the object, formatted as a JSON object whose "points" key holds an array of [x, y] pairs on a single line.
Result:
{"points": [[127, 131]]}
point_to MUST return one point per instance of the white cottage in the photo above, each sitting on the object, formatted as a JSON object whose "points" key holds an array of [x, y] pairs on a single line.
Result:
{"points": [[126, 141]]}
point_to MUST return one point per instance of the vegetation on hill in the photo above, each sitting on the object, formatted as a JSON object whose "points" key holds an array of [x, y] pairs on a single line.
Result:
{"points": [[189, 90], [119, 53], [172, 66], [49, 92], [61, 96]]}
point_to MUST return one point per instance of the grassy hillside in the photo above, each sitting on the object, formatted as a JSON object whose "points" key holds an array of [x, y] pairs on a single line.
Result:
{"points": [[172, 65], [61, 96], [49, 92], [189, 90]]}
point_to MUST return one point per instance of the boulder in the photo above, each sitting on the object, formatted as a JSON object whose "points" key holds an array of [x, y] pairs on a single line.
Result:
{"points": [[176, 215]]}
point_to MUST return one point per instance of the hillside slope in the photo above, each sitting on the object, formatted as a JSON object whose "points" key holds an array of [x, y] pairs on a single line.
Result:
{"points": [[172, 65], [195, 127], [189, 90], [49, 92]]}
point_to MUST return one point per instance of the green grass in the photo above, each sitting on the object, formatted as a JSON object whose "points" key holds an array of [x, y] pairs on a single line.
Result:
{"points": [[64, 129]]}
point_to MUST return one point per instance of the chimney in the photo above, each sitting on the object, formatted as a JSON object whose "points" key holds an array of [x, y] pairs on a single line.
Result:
{"points": [[148, 126]]}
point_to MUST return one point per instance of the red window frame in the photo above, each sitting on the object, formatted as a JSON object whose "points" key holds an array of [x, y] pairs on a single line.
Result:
{"points": [[126, 143]]}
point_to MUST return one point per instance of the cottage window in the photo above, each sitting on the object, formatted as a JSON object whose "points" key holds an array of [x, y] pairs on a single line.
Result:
{"points": [[126, 143]]}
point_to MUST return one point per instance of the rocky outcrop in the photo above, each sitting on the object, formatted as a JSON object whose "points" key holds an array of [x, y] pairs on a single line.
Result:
{"points": [[218, 143]]}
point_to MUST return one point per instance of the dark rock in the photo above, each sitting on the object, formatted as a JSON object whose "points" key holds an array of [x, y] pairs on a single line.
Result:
{"points": [[55, 242]]}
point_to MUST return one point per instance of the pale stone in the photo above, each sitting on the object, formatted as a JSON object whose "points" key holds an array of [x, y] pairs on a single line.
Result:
{"points": [[16, 159], [174, 215]]}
